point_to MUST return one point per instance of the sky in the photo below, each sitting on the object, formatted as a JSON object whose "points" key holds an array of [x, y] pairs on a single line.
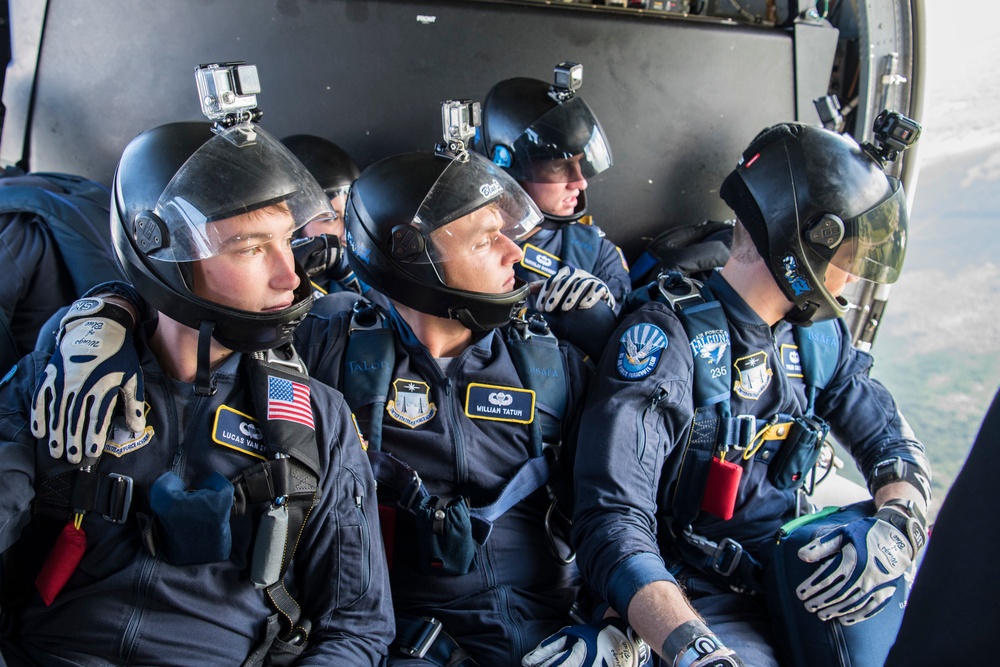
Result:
{"points": [[962, 98]]}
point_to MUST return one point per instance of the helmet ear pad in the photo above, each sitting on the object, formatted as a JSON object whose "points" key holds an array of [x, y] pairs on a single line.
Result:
{"points": [[406, 243]]}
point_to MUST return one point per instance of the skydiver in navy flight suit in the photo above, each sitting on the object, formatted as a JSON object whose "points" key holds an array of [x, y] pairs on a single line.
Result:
{"points": [[678, 510]]}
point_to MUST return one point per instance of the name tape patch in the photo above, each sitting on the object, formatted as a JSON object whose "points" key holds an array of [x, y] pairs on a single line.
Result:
{"points": [[503, 404], [239, 431], [539, 261]]}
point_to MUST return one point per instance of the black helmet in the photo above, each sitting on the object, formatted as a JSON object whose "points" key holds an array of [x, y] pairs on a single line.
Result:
{"points": [[809, 198], [171, 183], [524, 129], [329, 164], [393, 211]]}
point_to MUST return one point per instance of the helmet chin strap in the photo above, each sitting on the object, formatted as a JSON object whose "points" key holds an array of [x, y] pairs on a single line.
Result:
{"points": [[203, 385], [801, 315]]}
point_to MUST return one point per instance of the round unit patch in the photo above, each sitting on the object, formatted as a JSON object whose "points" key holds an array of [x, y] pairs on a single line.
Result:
{"points": [[640, 350]]}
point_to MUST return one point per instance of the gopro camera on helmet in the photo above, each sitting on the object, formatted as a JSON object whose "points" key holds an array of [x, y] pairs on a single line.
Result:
{"points": [[568, 79], [894, 133], [459, 120], [569, 76], [228, 92]]}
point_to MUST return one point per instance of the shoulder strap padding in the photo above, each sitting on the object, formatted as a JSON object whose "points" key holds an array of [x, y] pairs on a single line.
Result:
{"points": [[581, 246]]}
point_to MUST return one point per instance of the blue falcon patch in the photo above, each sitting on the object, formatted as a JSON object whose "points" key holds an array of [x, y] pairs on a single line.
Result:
{"points": [[640, 350]]}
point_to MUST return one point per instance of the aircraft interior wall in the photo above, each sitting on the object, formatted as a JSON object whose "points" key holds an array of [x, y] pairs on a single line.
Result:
{"points": [[677, 98]]}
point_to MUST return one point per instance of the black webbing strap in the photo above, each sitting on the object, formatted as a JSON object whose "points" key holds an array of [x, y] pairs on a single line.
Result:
{"points": [[424, 638], [76, 491], [371, 345], [292, 478]]}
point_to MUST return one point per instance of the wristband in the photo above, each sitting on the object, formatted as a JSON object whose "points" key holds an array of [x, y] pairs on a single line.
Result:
{"points": [[898, 470], [683, 636], [85, 307], [700, 647]]}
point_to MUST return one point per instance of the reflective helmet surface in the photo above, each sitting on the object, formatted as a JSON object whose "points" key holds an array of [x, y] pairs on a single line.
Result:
{"points": [[398, 212], [172, 184], [538, 138], [329, 164], [811, 198]]}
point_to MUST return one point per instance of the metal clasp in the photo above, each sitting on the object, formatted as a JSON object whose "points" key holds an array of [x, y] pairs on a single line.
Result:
{"points": [[727, 548], [677, 290], [430, 631], [119, 498]]}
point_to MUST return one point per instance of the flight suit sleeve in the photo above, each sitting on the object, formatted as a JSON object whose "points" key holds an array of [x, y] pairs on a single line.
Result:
{"points": [[612, 268], [638, 409], [17, 448], [340, 566], [864, 417]]}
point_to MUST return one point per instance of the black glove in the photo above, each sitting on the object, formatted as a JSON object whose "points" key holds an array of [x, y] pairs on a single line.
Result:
{"points": [[319, 255]]}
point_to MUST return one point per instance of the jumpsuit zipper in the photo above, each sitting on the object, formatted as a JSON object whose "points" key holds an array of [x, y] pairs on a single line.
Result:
{"points": [[149, 562]]}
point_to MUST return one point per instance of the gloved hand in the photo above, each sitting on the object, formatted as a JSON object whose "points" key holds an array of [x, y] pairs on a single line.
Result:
{"points": [[94, 362], [861, 565], [319, 254], [572, 288], [607, 643]]}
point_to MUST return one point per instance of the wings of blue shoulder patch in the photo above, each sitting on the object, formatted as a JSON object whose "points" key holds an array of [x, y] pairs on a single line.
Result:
{"points": [[639, 351]]}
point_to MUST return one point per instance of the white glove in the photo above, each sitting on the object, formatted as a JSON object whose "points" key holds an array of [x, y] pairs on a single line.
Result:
{"points": [[572, 288], [607, 643], [94, 362], [862, 563]]}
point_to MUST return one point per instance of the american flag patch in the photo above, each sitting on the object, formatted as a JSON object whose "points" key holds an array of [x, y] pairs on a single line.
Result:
{"points": [[289, 401]]}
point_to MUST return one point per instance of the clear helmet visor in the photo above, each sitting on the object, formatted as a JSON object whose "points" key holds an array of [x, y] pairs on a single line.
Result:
{"points": [[230, 177], [566, 144], [874, 243], [469, 208]]}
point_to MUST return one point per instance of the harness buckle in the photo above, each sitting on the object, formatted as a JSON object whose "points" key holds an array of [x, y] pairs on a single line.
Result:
{"points": [[727, 550], [678, 290], [747, 429], [422, 642], [411, 492], [119, 498]]}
